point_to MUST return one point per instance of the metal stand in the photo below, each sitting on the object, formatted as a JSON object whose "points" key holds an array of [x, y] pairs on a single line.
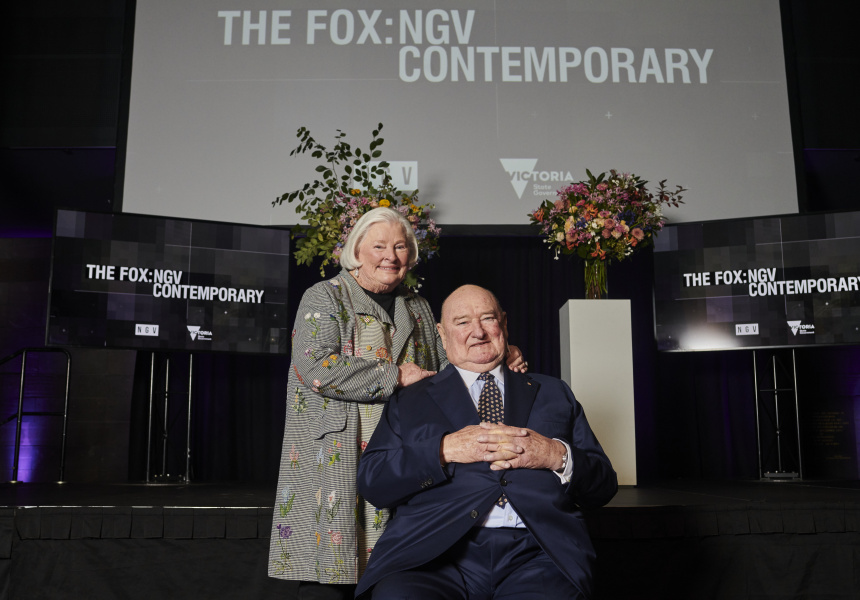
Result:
{"points": [[779, 457], [21, 413], [164, 476]]}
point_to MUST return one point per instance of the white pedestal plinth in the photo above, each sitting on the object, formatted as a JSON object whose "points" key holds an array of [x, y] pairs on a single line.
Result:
{"points": [[597, 364]]}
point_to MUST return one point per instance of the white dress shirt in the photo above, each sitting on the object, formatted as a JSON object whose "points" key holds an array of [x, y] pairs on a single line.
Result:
{"points": [[505, 516]]}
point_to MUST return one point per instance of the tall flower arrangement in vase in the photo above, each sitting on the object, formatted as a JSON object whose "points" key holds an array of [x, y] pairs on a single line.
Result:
{"points": [[602, 219], [352, 182]]}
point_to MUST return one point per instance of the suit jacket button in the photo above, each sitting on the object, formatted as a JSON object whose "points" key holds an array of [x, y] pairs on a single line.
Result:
{"points": [[504, 482], [474, 514]]}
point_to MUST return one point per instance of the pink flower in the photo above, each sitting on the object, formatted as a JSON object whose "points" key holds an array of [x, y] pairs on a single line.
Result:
{"points": [[638, 234], [336, 537]]}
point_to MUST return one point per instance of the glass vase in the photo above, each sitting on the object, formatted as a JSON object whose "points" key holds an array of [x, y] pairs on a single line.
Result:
{"points": [[595, 279]]}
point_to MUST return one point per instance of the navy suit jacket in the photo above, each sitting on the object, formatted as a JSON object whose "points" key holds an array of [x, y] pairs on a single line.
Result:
{"points": [[434, 506]]}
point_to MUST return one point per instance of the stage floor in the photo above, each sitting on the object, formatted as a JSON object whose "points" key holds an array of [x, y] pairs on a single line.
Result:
{"points": [[670, 540], [679, 493]]}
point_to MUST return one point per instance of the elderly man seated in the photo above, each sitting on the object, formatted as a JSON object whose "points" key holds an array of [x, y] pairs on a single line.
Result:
{"points": [[486, 471]]}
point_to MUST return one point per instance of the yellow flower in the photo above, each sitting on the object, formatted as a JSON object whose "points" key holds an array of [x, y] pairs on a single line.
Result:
{"points": [[318, 538], [355, 192], [384, 202]]}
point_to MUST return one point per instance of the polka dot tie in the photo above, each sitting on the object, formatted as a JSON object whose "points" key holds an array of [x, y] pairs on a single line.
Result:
{"points": [[492, 409], [490, 405]]}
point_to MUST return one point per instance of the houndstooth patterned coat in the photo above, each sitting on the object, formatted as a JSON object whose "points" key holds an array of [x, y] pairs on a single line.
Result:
{"points": [[345, 352]]}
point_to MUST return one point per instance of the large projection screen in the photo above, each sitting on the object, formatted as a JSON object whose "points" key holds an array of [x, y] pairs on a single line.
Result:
{"points": [[489, 107]]}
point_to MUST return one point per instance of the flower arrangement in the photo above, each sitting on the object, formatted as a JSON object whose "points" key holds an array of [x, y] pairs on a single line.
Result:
{"points": [[353, 182], [605, 218]]}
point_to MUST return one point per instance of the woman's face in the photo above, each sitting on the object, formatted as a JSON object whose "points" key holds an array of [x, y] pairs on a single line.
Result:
{"points": [[384, 258]]}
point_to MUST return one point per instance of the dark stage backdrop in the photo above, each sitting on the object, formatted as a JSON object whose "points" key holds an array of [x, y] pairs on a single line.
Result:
{"points": [[695, 412]]}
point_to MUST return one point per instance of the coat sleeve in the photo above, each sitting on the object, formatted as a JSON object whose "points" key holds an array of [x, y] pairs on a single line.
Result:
{"points": [[437, 359], [322, 353], [391, 469], [440, 350]]}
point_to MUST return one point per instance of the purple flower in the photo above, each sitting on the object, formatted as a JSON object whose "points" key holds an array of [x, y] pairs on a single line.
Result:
{"points": [[285, 531]]}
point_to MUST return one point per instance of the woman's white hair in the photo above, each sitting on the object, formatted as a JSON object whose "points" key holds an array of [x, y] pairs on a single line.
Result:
{"points": [[349, 256]]}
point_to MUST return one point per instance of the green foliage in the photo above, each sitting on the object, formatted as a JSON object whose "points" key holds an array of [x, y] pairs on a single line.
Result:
{"points": [[351, 182]]}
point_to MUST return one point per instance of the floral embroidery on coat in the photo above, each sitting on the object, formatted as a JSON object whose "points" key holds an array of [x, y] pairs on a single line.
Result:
{"points": [[283, 561], [345, 353]]}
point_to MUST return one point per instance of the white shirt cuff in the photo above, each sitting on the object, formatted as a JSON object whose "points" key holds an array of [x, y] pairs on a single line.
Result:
{"points": [[565, 475]]}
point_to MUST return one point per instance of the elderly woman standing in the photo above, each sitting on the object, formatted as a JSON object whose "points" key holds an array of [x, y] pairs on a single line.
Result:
{"points": [[357, 338]]}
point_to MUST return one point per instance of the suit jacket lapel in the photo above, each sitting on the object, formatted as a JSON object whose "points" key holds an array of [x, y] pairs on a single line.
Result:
{"points": [[451, 396], [520, 392]]}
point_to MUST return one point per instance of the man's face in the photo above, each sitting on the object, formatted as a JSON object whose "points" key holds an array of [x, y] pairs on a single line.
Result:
{"points": [[473, 330]]}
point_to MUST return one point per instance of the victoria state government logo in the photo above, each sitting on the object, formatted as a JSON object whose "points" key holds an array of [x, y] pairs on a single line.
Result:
{"points": [[798, 327], [198, 334], [523, 171]]}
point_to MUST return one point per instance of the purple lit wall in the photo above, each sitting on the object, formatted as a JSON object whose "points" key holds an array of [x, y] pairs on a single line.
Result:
{"points": [[97, 440], [24, 264]]}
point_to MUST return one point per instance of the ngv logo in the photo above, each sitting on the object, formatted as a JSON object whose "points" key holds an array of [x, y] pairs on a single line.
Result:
{"points": [[523, 172], [141, 329], [403, 173], [746, 328]]}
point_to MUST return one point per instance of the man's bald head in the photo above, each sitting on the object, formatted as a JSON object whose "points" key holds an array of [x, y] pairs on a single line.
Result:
{"points": [[473, 329]]}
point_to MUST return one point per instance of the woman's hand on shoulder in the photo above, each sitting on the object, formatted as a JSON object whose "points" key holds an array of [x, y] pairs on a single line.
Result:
{"points": [[515, 360], [411, 373]]}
